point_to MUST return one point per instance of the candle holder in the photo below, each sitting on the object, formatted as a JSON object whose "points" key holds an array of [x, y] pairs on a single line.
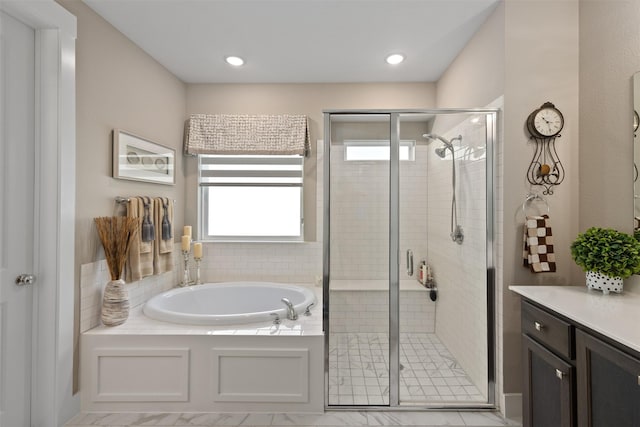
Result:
{"points": [[197, 260], [186, 278]]}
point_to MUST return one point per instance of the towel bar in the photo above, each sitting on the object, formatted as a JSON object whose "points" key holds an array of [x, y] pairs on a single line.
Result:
{"points": [[120, 199]]}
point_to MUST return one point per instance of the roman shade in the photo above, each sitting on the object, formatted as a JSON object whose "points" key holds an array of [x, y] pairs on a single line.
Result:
{"points": [[247, 134]]}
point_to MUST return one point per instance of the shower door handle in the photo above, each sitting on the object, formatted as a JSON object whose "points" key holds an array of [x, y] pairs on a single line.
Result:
{"points": [[409, 262]]}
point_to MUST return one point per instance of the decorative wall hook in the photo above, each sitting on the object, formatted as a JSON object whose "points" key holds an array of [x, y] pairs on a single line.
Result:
{"points": [[544, 125]]}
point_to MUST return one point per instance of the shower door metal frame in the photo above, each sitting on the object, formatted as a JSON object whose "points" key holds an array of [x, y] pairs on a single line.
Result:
{"points": [[491, 117]]}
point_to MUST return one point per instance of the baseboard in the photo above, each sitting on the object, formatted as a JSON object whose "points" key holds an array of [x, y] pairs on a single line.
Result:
{"points": [[511, 405]]}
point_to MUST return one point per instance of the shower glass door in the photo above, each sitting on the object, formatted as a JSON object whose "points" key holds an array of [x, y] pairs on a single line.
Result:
{"points": [[408, 258], [442, 226], [358, 282]]}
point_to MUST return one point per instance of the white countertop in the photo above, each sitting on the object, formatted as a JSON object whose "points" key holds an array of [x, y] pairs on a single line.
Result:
{"points": [[616, 316]]}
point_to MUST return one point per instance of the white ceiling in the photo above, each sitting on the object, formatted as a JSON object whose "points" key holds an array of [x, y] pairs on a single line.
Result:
{"points": [[296, 41]]}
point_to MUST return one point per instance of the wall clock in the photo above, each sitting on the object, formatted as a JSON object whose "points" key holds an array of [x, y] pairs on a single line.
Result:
{"points": [[544, 125]]}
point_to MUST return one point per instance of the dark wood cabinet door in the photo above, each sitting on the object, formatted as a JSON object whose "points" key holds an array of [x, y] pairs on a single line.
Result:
{"points": [[608, 384], [548, 395]]}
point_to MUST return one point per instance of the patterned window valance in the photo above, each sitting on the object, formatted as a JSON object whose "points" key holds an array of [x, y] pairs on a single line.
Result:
{"points": [[246, 134]]}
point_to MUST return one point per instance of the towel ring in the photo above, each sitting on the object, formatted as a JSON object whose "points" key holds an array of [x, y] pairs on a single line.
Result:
{"points": [[531, 198]]}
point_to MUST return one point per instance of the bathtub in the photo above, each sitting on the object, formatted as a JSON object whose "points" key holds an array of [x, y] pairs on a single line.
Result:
{"points": [[227, 303], [145, 365]]}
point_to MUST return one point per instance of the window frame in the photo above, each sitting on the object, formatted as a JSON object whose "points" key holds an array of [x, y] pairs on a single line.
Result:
{"points": [[410, 143], [203, 205]]}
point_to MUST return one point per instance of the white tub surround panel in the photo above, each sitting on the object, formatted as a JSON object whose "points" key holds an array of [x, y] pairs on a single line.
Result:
{"points": [[615, 316], [202, 373], [117, 374]]}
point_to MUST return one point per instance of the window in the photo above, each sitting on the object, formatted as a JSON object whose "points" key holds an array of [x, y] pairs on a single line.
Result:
{"points": [[377, 150], [251, 198]]}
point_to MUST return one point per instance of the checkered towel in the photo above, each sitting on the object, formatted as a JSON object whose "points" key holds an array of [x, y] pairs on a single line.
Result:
{"points": [[538, 245]]}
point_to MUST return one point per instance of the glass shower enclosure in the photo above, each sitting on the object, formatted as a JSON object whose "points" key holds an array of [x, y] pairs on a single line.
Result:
{"points": [[408, 258]]}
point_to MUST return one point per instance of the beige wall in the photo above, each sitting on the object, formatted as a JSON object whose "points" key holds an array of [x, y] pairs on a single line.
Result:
{"points": [[117, 86], [540, 65], [476, 77], [513, 56], [309, 99], [609, 56]]}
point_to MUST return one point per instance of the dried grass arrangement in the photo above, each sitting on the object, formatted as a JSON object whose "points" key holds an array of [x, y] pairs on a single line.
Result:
{"points": [[116, 234]]}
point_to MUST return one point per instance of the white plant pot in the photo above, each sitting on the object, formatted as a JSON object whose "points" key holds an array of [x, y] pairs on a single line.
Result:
{"points": [[603, 282]]}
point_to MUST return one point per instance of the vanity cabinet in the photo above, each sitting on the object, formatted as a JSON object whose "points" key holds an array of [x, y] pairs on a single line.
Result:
{"points": [[574, 376], [608, 384], [548, 387], [549, 372]]}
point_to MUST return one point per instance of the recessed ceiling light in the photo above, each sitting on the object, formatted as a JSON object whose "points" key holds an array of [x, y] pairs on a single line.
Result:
{"points": [[395, 59], [236, 61]]}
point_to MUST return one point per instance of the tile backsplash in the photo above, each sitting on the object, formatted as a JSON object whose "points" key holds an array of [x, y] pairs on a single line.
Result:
{"points": [[94, 276]]}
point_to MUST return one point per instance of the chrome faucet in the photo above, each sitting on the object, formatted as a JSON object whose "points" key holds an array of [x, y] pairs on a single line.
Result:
{"points": [[291, 312]]}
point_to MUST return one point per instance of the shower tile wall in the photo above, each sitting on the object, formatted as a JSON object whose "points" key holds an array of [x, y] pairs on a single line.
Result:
{"points": [[360, 216], [368, 311], [460, 270]]}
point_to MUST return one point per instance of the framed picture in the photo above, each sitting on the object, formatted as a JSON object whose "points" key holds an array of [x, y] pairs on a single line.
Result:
{"points": [[139, 159]]}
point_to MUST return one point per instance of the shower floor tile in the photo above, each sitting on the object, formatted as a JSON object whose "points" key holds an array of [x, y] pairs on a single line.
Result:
{"points": [[359, 371]]}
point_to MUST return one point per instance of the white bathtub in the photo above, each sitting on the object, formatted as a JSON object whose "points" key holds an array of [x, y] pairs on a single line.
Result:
{"points": [[227, 303]]}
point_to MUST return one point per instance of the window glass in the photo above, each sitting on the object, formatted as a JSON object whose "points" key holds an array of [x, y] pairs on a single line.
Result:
{"points": [[251, 197]]}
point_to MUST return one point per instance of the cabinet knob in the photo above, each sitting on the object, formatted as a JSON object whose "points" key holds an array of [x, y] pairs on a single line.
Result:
{"points": [[559, 374], [638, 379], [539, 326]]}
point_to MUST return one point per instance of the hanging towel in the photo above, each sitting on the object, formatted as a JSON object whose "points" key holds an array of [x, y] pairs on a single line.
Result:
{"points": [[140, 260], [147, 227], [163, 219], [538, 245]]}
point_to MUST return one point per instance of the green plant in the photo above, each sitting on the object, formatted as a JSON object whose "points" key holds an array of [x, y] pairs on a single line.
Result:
{"points": [[607, 251]]}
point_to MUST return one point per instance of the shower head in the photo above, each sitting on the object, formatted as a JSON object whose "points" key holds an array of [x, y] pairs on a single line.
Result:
{"points": [[448, 145], [442, 151]]}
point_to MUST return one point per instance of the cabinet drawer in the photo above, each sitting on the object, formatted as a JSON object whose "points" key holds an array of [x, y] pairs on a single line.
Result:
{"points": [[547, 329]]}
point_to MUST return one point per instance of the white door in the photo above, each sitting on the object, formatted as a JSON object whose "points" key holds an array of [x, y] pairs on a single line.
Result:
{"points": [[17, 158]]}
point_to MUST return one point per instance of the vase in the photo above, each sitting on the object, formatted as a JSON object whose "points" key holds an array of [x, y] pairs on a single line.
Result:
{"points": [[603, 282], [115, 303]]}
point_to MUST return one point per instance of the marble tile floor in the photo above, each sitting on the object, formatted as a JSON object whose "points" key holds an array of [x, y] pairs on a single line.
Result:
{"points": [[328, 419], [359, 371]]}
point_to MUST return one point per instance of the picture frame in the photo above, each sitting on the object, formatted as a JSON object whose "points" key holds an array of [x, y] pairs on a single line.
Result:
{"points": [[139, 159]]}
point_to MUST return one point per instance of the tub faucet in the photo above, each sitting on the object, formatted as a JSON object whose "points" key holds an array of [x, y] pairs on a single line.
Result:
{"points": [[291, 312]]}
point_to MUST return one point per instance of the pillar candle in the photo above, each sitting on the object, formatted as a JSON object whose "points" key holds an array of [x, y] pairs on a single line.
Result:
{"points": [[197, 250], [186, 231], [186, 243]]}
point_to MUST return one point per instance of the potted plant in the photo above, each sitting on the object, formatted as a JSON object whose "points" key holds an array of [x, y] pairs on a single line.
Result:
{"points": [[608, 256]]}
